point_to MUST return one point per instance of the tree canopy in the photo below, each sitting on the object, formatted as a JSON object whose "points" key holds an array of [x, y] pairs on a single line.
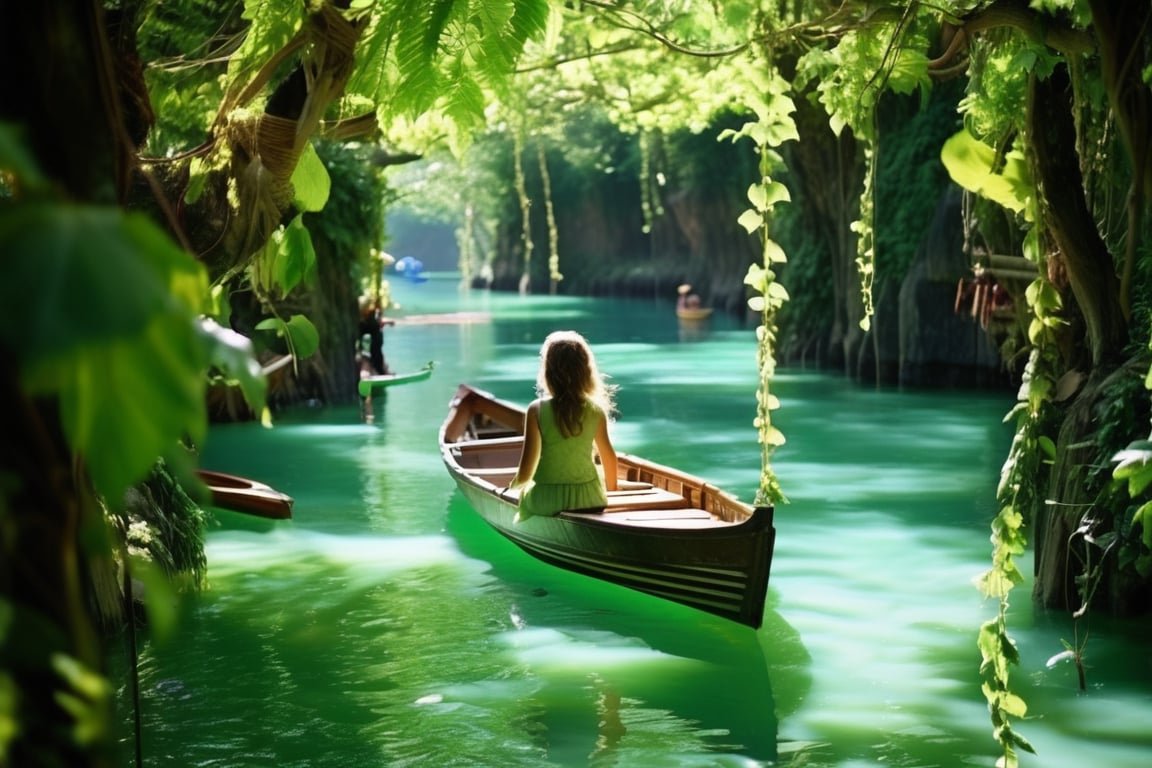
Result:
{"points": [[156, 156]]}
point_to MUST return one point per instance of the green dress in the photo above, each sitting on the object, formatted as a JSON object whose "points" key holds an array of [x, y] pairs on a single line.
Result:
{"points": [[566, 476]]}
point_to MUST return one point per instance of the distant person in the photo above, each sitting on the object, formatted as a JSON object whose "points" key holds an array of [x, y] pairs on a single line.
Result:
{"points": [[370, 350], [561, 427], [687, 299], [682, 301]]}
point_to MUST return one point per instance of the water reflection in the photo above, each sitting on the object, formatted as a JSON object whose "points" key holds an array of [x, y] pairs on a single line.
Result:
{"points": [[619, 662]]}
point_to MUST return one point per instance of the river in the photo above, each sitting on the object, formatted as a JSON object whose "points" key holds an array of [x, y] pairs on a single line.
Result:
{"points": [[386, 625]]}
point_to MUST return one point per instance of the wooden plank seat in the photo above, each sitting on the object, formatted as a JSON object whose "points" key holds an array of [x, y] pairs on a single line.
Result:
{"points": [[684, 518], [494, 442], [489, 471], [644, 498]]}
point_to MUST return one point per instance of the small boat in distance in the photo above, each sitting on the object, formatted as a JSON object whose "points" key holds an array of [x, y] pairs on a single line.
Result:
{"points": [[240, 494], [688, 305], [664, 532], [369, 384], [694, 313]]}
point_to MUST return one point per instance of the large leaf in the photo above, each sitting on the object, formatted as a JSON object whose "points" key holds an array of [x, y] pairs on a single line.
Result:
{"points": [[295, 257], [298, 332], [76, 275], [106, 305], [310, 181], [973, 165], [126, 401]]}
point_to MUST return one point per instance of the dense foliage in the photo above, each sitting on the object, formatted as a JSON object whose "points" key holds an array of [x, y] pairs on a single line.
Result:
{"points": [[158, 157]]}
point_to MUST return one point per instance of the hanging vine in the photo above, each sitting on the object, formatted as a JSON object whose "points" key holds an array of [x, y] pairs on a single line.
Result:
{"points": [[645, 181], [525, 207], [466, 242], [772, 128], [554, 275], [865, 229]]}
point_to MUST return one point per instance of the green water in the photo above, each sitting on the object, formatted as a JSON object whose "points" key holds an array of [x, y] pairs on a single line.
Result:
{"points": [[385, 625]]}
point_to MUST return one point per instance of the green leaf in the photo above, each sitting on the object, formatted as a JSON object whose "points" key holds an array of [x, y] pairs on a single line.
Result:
{"points": [[99, 275], [1143, 518], [295, 258], [305, 337], [764, 195], [773, 253], [231, 353], [1013, 705], [751, 220], [310, 181], [298, 332], [758, 196], [125, 402], [772, 436], [110, 331], [1138, 473], [970, 163], [757, 278]]}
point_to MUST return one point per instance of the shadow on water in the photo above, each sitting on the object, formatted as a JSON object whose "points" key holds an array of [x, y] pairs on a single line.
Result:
{"points": [[635, 657]]}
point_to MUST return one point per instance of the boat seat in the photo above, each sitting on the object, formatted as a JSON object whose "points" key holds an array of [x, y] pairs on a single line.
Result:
{"points": [[489, 471], [644, 498], [682, 518], [493, 442]]}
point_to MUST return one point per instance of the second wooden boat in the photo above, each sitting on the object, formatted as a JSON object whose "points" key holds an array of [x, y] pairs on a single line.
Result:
{"points": [[370, 384], [241, 494], [664, 532]]}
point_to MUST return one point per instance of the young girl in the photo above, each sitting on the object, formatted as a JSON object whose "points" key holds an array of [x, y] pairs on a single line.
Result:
{"points": [[556, 469]]}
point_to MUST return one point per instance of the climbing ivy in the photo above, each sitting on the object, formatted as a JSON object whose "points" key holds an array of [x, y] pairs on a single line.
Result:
{"points": [[772, 126]]}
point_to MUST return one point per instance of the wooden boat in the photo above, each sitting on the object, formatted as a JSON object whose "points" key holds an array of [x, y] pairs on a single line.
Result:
{"points": [[693, 313], [370, 384], [664, 532], [243, 495]]}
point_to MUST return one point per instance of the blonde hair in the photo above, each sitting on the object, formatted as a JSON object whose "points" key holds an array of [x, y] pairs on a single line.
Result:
{"points": [[568, 373]]}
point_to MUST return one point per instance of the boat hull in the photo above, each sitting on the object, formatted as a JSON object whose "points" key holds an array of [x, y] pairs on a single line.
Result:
{"points": [[369, 384], [241, 494], [694, 314]]}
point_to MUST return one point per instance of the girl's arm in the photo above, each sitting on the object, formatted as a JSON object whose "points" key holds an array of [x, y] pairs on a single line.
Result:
{"points": [[530, 452], [607, 454]]}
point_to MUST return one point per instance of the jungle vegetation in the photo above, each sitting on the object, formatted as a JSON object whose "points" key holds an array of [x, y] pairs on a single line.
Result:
{"points": [[167, 179]]}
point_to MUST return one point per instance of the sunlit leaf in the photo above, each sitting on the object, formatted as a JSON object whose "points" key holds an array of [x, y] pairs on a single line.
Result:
{"points": [[751, 220], [299, 333], [296, 257], [310, 181], [971, 164], [305, 337], [773, 253]]}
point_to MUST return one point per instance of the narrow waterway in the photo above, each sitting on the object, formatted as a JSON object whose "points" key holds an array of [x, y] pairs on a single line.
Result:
{"points": [[386, 625]]}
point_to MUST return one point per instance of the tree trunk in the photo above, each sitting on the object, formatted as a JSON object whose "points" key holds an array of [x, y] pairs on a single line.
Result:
{"points": [[62, 92], [1066, 218], [1091, 297]]}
